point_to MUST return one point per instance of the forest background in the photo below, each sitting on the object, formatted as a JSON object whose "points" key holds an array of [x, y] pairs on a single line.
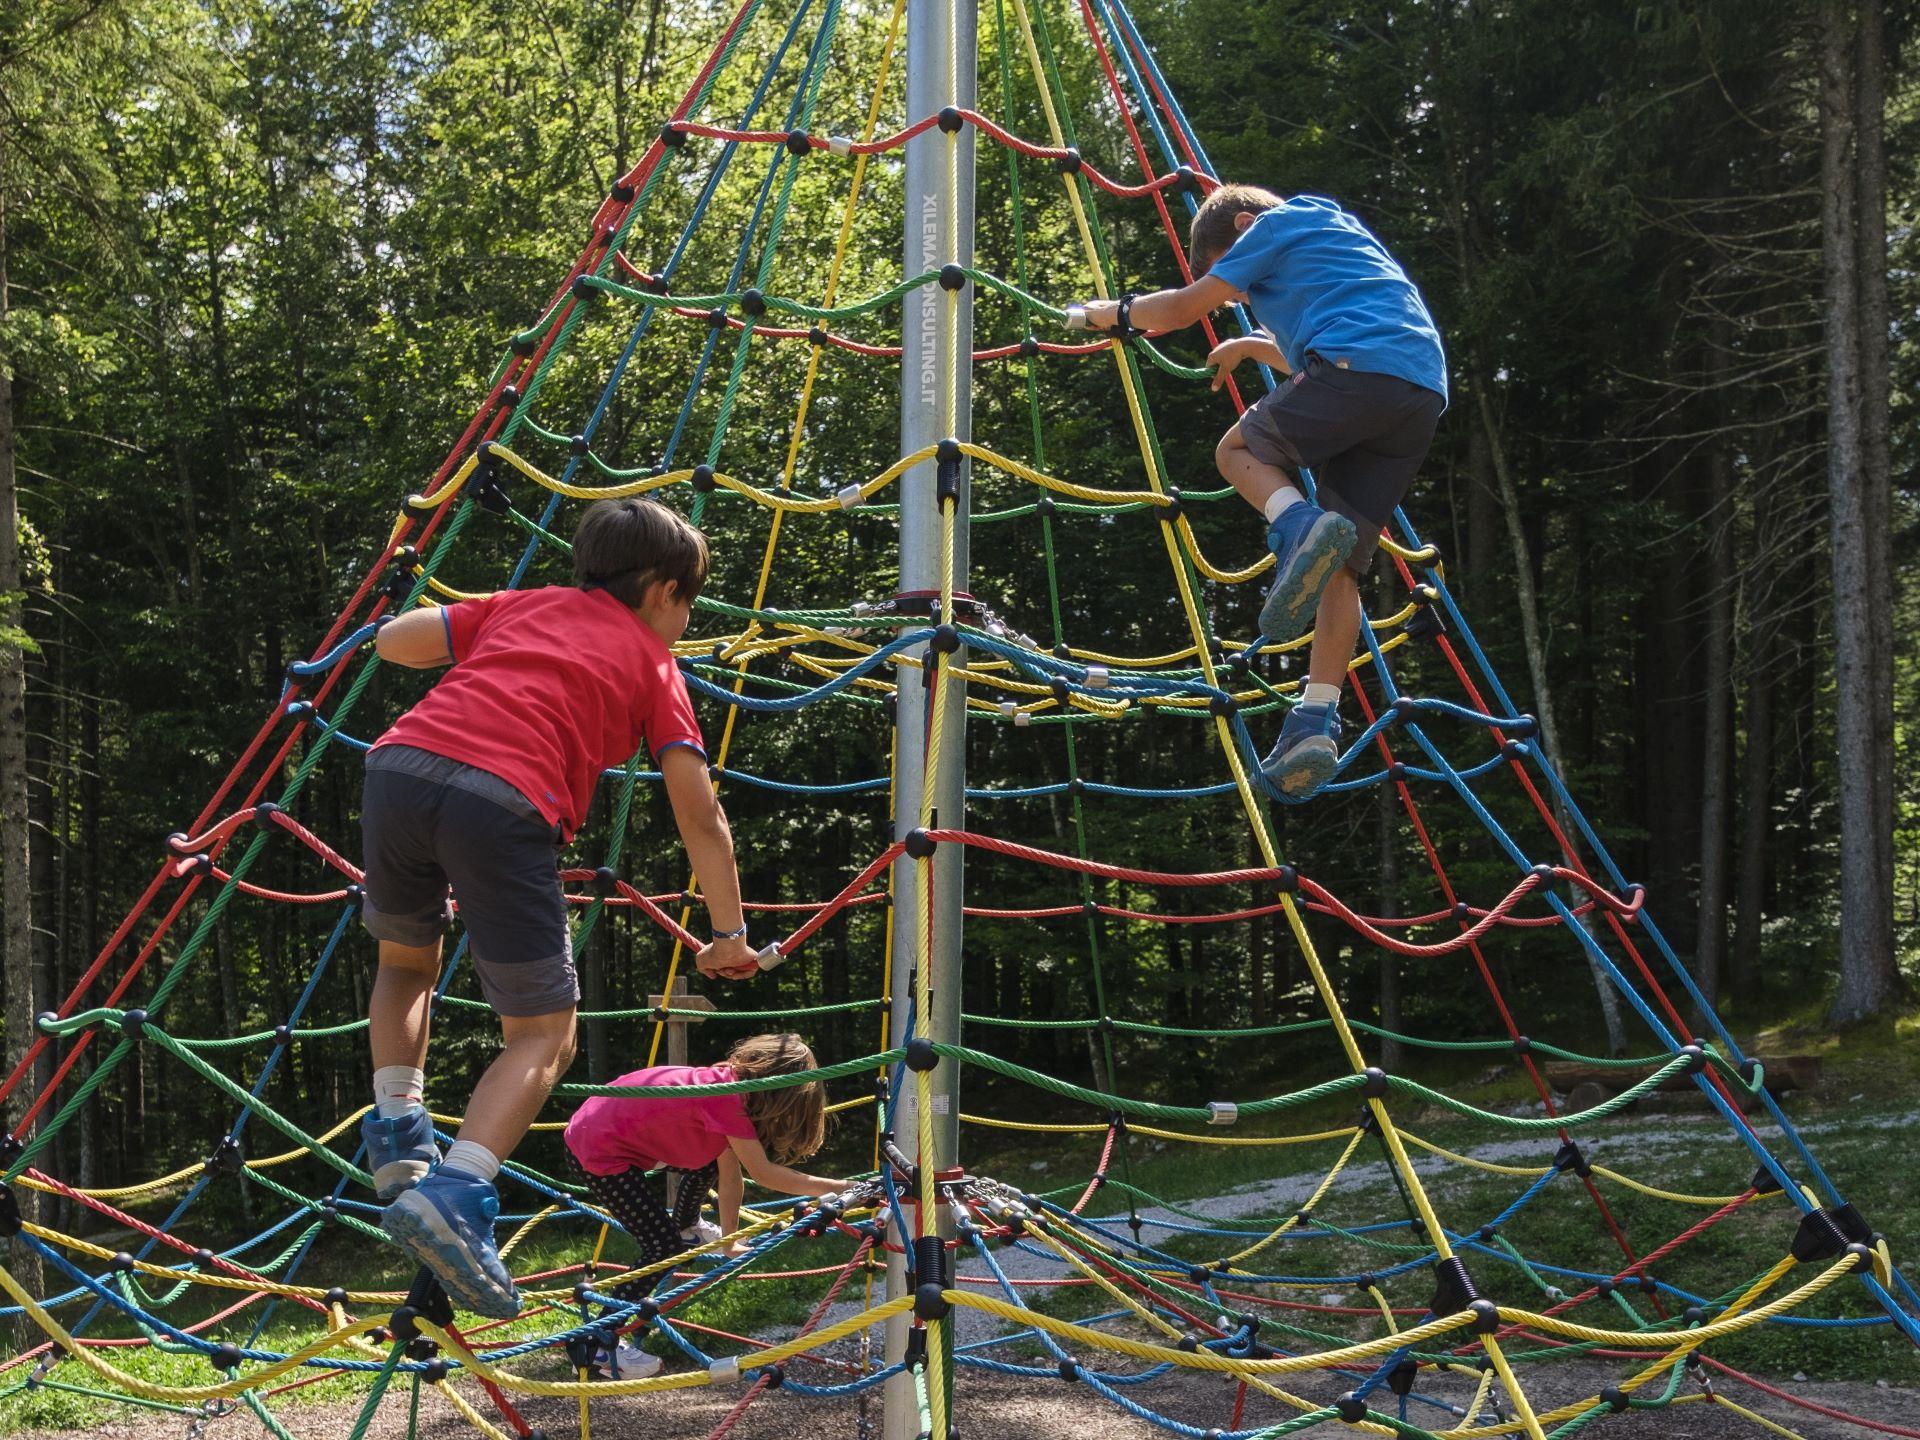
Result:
{"points": [[258, 261]]}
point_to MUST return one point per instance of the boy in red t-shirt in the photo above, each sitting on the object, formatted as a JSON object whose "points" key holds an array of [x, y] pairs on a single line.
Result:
{"points": [[475, 788]]}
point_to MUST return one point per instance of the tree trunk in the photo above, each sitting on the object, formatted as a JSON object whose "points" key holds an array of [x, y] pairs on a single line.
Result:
{"points": [[1868, 979], [1536, 650], [1710, 937], [1744, 975], [16, 951], [1483, 513]]}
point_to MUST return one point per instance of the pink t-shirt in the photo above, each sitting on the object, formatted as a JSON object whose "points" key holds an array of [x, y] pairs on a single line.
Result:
{"points": [[611, 1133]]}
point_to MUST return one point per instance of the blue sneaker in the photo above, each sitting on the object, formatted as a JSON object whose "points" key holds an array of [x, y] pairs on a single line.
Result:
{"points": [[1304, 757], [1308, 544], [446, 1223], [400, 1151]]}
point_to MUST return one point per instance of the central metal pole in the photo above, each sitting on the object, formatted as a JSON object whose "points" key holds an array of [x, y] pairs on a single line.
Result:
{"points": [[936, 374]]}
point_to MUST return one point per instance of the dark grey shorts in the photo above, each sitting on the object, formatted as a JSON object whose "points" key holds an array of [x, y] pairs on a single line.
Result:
{"points": [[427, 823], [1363, 434]]}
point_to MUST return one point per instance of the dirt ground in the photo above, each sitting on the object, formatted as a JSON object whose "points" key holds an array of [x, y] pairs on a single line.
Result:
{"points": [[992, 1407]]}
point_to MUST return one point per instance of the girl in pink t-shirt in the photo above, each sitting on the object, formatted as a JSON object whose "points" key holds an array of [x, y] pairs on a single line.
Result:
{"points": [[614, 1140]]}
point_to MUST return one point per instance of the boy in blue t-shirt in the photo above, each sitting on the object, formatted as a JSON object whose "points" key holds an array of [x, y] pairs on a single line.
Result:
{"points": [[1367, 380]]}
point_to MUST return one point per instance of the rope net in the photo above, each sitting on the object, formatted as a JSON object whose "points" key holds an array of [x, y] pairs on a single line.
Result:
{"points": [[1352, 1301]]}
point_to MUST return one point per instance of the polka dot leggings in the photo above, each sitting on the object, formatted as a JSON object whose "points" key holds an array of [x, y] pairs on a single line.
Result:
{"points": [[630, 1199]]}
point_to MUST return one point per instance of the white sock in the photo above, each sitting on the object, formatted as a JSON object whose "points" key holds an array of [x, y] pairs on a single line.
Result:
{"points": [[397, 1089], [471, 1159], [1313, 693], [1285, 498]]}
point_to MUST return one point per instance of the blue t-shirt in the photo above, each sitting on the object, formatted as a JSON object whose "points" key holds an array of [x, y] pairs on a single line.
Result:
{"points": [[1319, 281]]}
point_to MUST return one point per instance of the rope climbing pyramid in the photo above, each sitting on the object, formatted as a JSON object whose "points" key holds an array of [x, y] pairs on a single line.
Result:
{"points": [[1361, 1300]]}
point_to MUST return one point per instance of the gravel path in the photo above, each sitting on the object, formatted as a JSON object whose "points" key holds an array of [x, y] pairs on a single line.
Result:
{"points": [[1006, 1409]]}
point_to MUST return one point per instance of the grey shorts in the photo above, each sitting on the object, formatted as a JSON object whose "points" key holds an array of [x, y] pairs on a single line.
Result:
{"points": [[427, 823], [1363, 434]]}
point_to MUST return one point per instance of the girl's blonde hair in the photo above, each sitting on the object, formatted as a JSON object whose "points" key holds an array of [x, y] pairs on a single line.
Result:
{"points": [[792, 1120]]}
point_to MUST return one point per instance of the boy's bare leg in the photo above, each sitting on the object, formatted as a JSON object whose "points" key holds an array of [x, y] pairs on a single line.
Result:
{"points": [[1336, 630], [1256, 480], [538, 1051], [400, 1012]]}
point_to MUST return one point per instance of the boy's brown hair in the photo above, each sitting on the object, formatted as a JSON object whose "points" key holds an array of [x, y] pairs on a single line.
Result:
{"points": [[1212, 232], [791, 1121], [623, 546]]}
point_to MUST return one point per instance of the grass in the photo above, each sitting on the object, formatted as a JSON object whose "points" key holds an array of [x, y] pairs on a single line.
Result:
{"points": [[1856, 1119]]}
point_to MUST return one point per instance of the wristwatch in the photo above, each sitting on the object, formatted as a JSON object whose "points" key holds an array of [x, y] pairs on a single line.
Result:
{"points": [[731, 934]]}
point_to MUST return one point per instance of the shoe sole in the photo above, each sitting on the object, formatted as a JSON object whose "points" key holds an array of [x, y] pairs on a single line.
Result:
{"points": [[424, 1234], [1296, 591], [1305, 768]]}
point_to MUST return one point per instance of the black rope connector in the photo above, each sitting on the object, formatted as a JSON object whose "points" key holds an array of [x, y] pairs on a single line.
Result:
{"points": [[1695, 1057], [1287, 880], [10, 1221], [952, 276], [485, 485], [717, 318], [1817, 1238], [282, 1035], [335, 1296], [1545, 874], [1522, 1045], [703, 479], [656, 284], [1486, 1233], [1400, 1379], [1614, 1398], [1059, 690], [1029, 347], [1169, 513], [672, 136], [522, 344], [1404, 707], [1453, 1289], [203, 1257], [951, 119], [1187, 180], [1351, 1408], [581, 287], [1425, 622], [1694, 1315], [930, 1270], [775, 1376], [623, 194], [605, 879], [1222, 707], [226, 1356], [1513, 750], [1046, 506], [1486, 1317], [945, 640], [1069, 1370], [920, 1054], [434, 1371], [120, 1264], [420, 1348], [753, 302], [1189, 1342], [1852, 1223], [1462, 912], [1649, 1285], [1763, 1182], [1070, 162], [1091, 909], [509, 396], [1570, 1157], [1376, 1086], [1397, 771], [1525, 727], [132, 1023], [817, 335], [798, 142], [1604, 1288]]}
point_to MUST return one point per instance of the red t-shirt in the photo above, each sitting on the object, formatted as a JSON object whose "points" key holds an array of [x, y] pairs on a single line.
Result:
{"points": [[548, 688], [611, 1133]]}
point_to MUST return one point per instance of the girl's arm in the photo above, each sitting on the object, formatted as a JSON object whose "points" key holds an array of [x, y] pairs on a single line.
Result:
{"points": [[756, 1162]]}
